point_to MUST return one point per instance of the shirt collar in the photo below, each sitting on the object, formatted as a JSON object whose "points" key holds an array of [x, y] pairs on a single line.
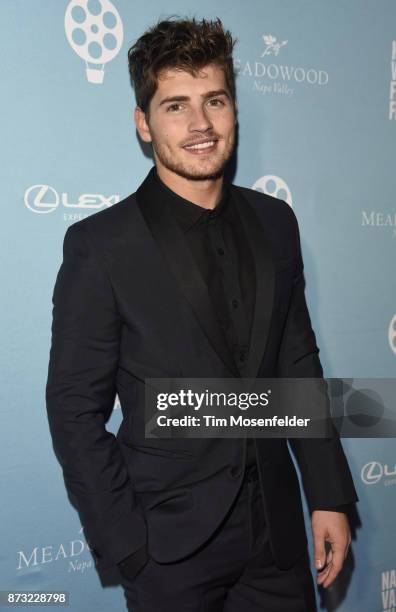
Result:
{"points": [[188, 213]]}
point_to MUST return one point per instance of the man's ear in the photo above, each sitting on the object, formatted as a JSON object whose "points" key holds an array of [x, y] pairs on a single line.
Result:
{"points": [[142, 125]]}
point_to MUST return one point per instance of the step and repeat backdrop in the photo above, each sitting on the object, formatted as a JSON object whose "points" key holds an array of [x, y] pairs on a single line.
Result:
{"points": [[316, 91]]}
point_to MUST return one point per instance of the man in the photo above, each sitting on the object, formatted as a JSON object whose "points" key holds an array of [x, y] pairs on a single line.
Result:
{"points": [[190, 276]]}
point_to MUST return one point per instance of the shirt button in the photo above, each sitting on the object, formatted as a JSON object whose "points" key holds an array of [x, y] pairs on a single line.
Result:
{"points": [[220, 251], [235, 303]]}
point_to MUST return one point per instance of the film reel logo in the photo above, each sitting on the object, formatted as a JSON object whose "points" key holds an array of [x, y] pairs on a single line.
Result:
{"points": [[94, 31], [274, 186]]}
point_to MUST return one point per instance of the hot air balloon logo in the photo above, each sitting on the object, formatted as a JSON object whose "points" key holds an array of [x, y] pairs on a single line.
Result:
{"points": [[94, 31]]}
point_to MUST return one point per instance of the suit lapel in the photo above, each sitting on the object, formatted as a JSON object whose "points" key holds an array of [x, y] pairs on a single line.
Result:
{"points": [[179, 258], [171, 242], [265, 281]]}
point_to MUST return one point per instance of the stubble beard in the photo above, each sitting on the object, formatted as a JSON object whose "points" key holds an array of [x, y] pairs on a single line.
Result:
{"points": [[189, 171]]}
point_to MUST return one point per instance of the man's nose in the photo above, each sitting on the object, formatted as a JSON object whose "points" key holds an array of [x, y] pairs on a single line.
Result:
{"points": [[199, 120]]}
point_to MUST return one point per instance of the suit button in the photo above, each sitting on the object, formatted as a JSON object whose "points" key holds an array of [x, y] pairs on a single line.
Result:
{"points": [[235, 472]]}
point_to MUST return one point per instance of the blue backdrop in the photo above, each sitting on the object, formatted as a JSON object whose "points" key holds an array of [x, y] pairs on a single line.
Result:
{"points": [[317, 124]]}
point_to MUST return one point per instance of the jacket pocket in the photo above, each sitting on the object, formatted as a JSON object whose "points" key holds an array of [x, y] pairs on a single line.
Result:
{"points": [[176, 453]]}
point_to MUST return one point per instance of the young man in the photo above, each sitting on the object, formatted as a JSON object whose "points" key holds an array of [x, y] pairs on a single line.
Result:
{"points": [[190, 276]]}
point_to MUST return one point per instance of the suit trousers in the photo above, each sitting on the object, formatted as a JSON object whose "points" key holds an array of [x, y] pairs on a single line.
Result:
{"points": [[233, 571]]}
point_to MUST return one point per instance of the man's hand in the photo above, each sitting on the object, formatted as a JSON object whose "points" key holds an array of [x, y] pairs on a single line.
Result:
{"points": [[332, 527]]}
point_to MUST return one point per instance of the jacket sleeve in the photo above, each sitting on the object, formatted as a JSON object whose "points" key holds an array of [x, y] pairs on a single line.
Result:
{"points": [[325, 472], [80, 395], [345, 508]]}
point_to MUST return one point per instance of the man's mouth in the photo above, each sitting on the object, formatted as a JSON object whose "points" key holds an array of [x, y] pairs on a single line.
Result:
{"points": [[205, 146]]}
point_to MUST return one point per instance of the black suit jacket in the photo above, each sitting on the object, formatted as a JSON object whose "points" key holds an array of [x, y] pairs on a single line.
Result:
{"points": [[128, 304]]}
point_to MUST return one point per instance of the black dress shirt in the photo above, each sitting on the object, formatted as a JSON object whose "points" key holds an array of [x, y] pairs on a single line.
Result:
{"points": [[221, 251]]}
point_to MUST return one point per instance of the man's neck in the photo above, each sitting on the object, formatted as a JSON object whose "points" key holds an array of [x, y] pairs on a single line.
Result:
{"points": [[206, 193]]}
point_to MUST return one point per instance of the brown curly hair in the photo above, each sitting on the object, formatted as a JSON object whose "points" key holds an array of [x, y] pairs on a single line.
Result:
{"points": [[186, 44]]}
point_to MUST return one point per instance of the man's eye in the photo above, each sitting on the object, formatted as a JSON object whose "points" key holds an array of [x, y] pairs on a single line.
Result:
{"points": [[171, 107], [217, 100], [212, 102]]}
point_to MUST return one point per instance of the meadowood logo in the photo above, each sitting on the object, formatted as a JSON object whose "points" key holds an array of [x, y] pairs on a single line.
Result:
{"points": [[272, 46], [275, 78], [72, 551], [379, 218]]}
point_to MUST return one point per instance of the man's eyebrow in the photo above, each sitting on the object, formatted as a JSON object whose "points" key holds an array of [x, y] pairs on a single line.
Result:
{"points": [[208, 94]]}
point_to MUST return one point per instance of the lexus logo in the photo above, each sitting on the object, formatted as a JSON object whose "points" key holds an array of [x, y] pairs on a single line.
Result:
{"points": [[44, 199], [374, 471]]}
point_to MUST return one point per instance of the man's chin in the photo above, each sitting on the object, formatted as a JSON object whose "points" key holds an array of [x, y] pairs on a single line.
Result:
{"points": [[210, 172], [203, 176]]}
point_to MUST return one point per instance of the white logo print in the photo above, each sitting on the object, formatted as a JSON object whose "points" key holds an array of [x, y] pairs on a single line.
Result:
{"points": [[392, 334], [374, 471], [274, 186], [272, 46], [94, 31], [392, 84], [34, 199], [72, 551], [268, 76], [45, 199]]}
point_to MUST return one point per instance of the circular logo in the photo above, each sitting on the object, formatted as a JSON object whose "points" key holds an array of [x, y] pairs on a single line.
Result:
{"points": [[392, 334], [372, 472], [274, 186], [94, 31], [41, 199]]}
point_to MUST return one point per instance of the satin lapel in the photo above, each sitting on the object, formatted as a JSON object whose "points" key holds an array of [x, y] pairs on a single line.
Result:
{"points": [[171, 242], [265, 281]]}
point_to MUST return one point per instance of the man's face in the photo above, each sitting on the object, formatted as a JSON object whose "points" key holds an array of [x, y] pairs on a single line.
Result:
{"points": [[187, 110]]}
